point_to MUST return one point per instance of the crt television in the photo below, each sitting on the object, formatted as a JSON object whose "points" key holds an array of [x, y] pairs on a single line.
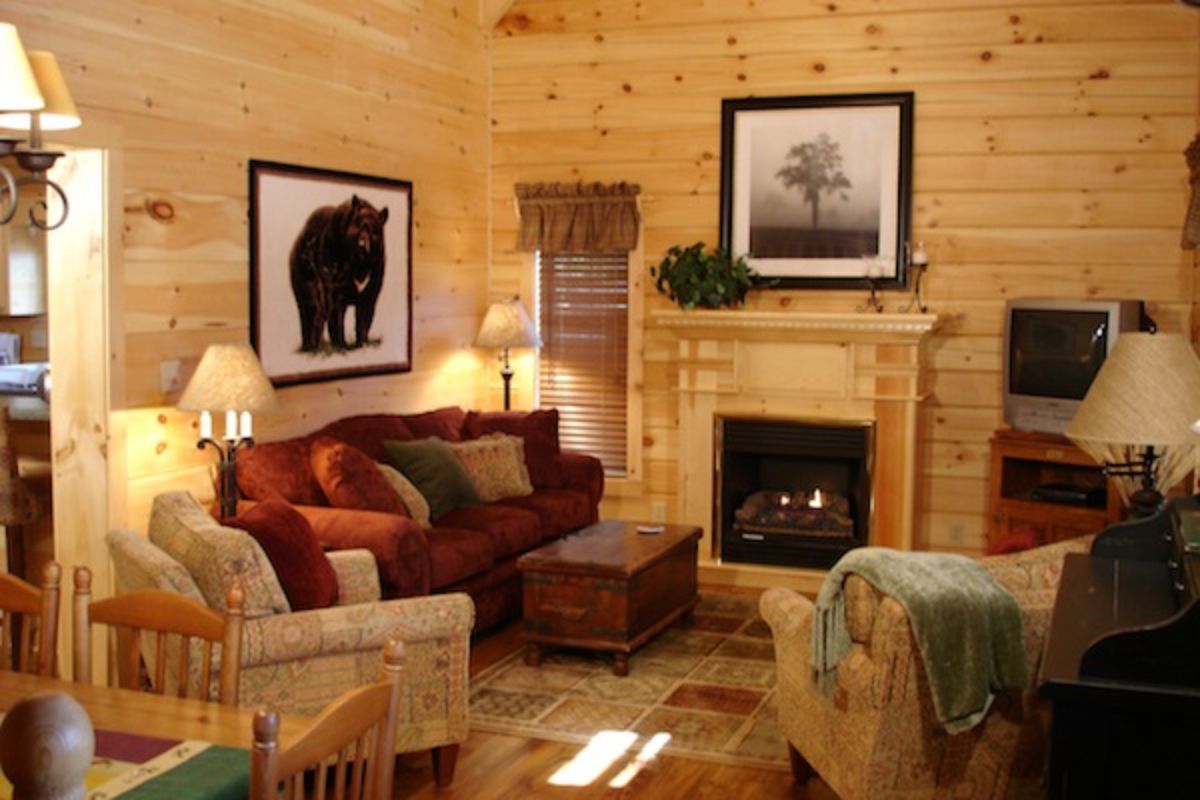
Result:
{"points": [[1052, 352]]}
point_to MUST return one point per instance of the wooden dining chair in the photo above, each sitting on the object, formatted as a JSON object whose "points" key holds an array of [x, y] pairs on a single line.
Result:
{"points": [[170, 617], [356, 734], [35, 612], [20, 505]]}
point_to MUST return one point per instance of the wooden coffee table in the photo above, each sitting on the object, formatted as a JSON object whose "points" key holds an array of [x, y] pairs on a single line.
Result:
{"points": [[608, 587]]}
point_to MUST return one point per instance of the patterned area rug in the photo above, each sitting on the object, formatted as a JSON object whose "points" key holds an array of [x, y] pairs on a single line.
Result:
{"points": [[711, 687]]}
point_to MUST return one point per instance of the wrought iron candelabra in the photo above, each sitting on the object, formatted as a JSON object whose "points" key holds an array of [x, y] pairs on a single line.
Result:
{"points": [[227, 450]]}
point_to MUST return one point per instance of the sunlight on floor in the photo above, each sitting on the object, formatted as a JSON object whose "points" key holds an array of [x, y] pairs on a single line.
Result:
{"points": [[601, 752], [598, 755], [649, 750]]}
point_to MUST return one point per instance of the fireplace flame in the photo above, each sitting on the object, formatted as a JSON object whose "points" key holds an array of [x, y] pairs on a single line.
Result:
{"points": [[816, 501]]}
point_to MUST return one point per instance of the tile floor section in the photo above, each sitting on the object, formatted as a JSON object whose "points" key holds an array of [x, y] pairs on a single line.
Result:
{"points": [[711, 687]]}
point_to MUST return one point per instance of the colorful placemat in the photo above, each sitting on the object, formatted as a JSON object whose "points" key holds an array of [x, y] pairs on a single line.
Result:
{"points": [[134, 767], [711, 687]]}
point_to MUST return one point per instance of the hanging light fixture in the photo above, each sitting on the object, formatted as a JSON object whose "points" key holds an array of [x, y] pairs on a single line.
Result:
{"points": [[34, 98]]}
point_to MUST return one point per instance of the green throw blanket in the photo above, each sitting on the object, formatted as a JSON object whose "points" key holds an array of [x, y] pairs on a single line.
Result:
{"points": [[967, 627]]}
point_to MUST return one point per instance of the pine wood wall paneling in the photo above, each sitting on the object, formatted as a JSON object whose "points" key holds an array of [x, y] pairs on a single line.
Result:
{"points": [[1048, 162], [534, 16], [386, 87]]}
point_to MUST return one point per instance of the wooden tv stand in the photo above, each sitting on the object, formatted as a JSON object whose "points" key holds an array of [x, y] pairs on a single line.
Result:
{"points": [[1024, 462]]}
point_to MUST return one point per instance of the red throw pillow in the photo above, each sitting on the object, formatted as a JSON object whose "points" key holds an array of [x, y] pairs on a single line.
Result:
{"points": [[538, 428], [368, 432], [351, 479], [278, 468], [285, 536], [444, 423], [1023, 537]]}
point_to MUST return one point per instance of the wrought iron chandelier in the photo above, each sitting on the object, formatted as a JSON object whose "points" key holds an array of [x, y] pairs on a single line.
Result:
{"points": [[34, 98]]}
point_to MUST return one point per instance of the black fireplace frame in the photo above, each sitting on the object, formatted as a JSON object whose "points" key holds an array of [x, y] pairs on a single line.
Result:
{"points": [[820, 554]]}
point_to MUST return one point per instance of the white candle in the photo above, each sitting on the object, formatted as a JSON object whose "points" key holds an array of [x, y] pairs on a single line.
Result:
{"points": [[205, 425], [247, 427], [919, 257], [231, 425]]}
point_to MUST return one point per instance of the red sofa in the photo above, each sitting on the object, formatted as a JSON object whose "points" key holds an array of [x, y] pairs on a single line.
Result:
{"points": [[472, 550]]}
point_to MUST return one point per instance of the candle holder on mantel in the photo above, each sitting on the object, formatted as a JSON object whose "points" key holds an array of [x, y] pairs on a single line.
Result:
{"points": [[918, 264], [230, 379], [873, 273]]}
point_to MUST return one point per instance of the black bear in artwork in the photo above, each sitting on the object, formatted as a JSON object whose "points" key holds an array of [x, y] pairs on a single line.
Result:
{"points": [[336, 262]]}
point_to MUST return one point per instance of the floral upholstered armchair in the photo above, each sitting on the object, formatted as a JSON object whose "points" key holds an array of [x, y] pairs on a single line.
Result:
{"points": [[878, 735], [299, 661]]}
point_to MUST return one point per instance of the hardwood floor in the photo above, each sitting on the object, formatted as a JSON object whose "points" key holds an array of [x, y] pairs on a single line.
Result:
{"points": [[493, 766]]}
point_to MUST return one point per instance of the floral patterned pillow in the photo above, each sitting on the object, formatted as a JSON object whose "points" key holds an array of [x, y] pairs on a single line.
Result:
{"points": [[410, 495], [496, 466]]}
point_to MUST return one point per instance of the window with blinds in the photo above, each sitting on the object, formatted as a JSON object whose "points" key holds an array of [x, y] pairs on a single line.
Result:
{"points": [[583, 313]]}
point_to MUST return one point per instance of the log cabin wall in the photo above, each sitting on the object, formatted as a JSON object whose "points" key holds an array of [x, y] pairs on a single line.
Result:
{"points": [[396, 89], [1048, 162]]}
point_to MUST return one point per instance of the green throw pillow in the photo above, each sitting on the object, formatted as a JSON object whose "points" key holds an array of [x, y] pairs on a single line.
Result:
{"points": [[431, 466]]}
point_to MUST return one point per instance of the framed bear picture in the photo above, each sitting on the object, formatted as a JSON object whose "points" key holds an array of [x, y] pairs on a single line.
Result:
{"points": [[330, 273]]}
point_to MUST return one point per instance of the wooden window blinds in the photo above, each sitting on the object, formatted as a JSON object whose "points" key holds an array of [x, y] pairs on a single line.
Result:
{"points": [[583, 309]]}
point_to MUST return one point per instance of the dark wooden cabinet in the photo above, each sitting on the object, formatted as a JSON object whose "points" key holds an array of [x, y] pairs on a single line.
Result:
{"points": [[1043, 480], [1121, 666]]}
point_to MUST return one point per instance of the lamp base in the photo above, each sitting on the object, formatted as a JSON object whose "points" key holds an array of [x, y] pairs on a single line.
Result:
{"points": [[506, 373], [1145, 502]]}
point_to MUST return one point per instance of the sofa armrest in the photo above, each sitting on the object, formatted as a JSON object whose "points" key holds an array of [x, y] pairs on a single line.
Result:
{"points": [[357, 576], [582, 473], [283, 638], [883, 650], [789, 614], [398, 544]]}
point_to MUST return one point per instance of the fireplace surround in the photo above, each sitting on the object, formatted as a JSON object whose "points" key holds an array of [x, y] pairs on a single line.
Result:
{"points": [[790, 493], [812, 367]]}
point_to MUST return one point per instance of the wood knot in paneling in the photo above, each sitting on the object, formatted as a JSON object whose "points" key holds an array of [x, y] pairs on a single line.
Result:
{"points": [[160, 210]]}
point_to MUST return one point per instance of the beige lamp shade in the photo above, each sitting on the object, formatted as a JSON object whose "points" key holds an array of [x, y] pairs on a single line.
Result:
{"points": [[1147, 393], [59, 112], [507, 325], [18, 87], [229, 378]]}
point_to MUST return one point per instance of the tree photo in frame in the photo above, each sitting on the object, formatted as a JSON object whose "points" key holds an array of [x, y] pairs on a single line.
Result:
{"points": [[816, 190], [330, 273]]}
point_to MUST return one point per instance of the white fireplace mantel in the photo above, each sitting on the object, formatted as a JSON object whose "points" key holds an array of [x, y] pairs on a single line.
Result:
{"points": [[808, 366]]}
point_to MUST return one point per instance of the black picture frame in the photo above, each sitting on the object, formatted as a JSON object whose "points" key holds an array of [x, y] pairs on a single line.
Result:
{"points": [[762, 138], [326, 243]]}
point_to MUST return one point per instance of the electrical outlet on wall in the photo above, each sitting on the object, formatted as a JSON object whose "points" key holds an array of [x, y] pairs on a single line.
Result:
{"points": [[170, 376], [658, 511]]}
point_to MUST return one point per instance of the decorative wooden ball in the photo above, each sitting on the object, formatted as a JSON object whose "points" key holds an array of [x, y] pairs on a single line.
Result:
{"points": [[46, 746]]}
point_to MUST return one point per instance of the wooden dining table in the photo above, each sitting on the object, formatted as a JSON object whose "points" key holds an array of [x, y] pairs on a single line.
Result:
{"points": [[140, 714]]}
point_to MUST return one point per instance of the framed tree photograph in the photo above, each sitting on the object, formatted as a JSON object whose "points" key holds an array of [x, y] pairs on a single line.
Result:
{"points": [[816, 190], [330, 273]]}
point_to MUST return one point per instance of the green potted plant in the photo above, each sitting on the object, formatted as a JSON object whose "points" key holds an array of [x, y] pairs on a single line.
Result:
{"points": [[694, 278]]}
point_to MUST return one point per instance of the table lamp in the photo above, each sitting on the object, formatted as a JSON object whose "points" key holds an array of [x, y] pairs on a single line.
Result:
{"points": [[506, 325], [228, 379], [1136, 418]]}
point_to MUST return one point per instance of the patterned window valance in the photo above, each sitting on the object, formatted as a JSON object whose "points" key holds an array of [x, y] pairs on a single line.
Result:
{"points": [[578, 217]]}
